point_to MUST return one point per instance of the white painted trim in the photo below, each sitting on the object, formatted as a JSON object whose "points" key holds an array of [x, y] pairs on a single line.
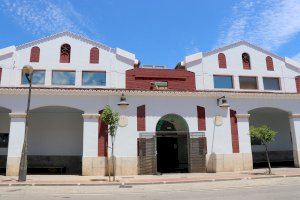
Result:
{"points": [[90, 116], [17, 115]]}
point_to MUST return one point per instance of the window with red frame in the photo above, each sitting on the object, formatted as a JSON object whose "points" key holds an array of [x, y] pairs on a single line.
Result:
{"points": [[65, 53]]}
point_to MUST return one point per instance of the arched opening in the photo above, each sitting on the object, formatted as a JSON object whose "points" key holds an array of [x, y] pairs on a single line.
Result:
{"points": [[65, 53], [35, 54], [246, 61], [281, 149], [172, 144], [4, 137], [55, 140], [94, 55], [222, 60]]}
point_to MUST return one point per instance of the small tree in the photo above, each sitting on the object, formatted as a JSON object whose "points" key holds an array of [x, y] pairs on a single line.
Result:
{"points": [[266, 135], [112, 120]]}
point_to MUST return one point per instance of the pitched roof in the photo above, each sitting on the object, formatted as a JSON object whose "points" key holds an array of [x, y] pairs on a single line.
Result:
{"points": [[70, 34]]}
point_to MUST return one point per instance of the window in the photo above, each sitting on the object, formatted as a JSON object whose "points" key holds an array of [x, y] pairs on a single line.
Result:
{"points": [[35, 54], [4, 140], [65, 53], [63, 78], [222, 60], [271, 83], [38, 78], [223, 82], [94, 78], [94, 55], [246, 61], [269, 63], [249, 83]]}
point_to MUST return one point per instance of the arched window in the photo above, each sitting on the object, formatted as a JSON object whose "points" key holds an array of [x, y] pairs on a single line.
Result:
{"points": [[222, 60], [94, 55], [246, 61], [269, 63], [35, 54], [65, 53]]}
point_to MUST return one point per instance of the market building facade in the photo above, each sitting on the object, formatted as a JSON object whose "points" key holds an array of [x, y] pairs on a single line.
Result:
{"points": [[193, 118]]}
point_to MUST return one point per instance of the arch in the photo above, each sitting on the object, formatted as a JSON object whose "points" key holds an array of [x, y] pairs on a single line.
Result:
{"points": [[94, 55], [35, 54], [172, 122], [269, 63], [281, 149], [4, 109], [222, 60], [65, 53], [246, 61], [55, 139]]}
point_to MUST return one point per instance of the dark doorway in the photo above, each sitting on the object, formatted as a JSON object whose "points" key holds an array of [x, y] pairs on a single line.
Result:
{"points": [[167, 154], [172, 144]]}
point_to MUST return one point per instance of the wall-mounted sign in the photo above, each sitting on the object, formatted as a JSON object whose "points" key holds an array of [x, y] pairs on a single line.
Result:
{"points": [[123, 121], [218, 120]]}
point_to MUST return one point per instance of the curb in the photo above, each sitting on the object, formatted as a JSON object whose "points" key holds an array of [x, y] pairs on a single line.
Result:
{"points": [[123, 184]]}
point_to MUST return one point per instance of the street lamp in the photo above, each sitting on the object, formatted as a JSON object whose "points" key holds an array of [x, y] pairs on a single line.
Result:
{"points": [[123, 104], [27, 71]]}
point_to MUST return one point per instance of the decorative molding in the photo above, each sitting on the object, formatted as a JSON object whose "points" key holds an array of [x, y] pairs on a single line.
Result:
{"points": [[90, 116], [144, 134], [54, 91], [242, 116], [294, 116], [17, 115]]}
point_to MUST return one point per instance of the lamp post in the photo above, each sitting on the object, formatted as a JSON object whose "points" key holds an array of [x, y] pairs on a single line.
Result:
{"points": [[222, 102], [123, 104], [27, 71]]}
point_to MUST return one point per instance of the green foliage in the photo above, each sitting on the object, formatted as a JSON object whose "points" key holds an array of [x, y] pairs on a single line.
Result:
{"points": [[263, 133], [111, 119]]}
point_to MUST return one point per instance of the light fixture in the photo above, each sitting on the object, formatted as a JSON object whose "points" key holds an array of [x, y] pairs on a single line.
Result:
{"points": [[27, 70], [123, 104], [222, 102]]}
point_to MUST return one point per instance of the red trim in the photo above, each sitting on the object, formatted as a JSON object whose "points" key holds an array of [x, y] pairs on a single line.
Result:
{"points": [[297, 79], [234, 132], [94, 55], [247, 61], [141, 115], [201, 118], [35, 54], [222, 60], [102, 138], [269, 63]]}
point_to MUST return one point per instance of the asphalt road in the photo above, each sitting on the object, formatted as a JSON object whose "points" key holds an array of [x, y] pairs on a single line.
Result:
{"points": [[267, 189]]}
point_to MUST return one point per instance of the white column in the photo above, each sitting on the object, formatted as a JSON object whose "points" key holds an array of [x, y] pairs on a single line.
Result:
{"points": [[15, 144], [244, 159], [295, 130], [91, 164]]}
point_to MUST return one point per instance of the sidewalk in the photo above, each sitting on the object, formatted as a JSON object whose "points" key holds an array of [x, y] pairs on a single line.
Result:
{"points": [[39, 180]]}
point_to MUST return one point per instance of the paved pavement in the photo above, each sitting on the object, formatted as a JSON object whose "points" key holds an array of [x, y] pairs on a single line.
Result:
{"points": [[149, 179], [272, 189]]}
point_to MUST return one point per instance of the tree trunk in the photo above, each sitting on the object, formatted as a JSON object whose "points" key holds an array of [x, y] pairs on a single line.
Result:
{"points": [[113, 158], [268, 160]]}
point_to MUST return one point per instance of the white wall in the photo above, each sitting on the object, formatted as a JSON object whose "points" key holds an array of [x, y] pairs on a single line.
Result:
{"points": [[208, 66], [55, 131], [279, 122], [114, 61]]}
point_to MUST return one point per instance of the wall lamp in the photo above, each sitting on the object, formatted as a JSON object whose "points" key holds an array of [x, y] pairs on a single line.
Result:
{"points": [[123, 104], [222, 102]]}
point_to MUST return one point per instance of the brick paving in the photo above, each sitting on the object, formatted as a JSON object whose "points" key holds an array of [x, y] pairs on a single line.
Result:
{"points": [[148, 179]]}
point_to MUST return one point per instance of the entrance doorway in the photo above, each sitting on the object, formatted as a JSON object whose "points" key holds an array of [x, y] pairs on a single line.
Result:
{"points": [[172, 144]]}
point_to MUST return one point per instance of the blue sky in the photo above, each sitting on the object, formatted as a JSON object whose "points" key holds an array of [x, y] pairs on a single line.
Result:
{"points": [[159, 31]]}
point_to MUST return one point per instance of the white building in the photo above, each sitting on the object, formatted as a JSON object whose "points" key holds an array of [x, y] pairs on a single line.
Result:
{"points": [[173, 122]]}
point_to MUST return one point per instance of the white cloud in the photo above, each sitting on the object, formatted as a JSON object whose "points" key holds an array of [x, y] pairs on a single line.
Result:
{"points": [[42, 17], [267, 23]]}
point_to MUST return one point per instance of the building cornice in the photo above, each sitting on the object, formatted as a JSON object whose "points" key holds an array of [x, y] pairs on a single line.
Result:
{"points": [[104, 92]]}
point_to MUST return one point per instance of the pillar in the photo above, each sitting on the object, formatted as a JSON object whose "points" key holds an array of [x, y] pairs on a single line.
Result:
{"points": [[15, 144], [243, 159], [295, 131], [92, 165]]}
